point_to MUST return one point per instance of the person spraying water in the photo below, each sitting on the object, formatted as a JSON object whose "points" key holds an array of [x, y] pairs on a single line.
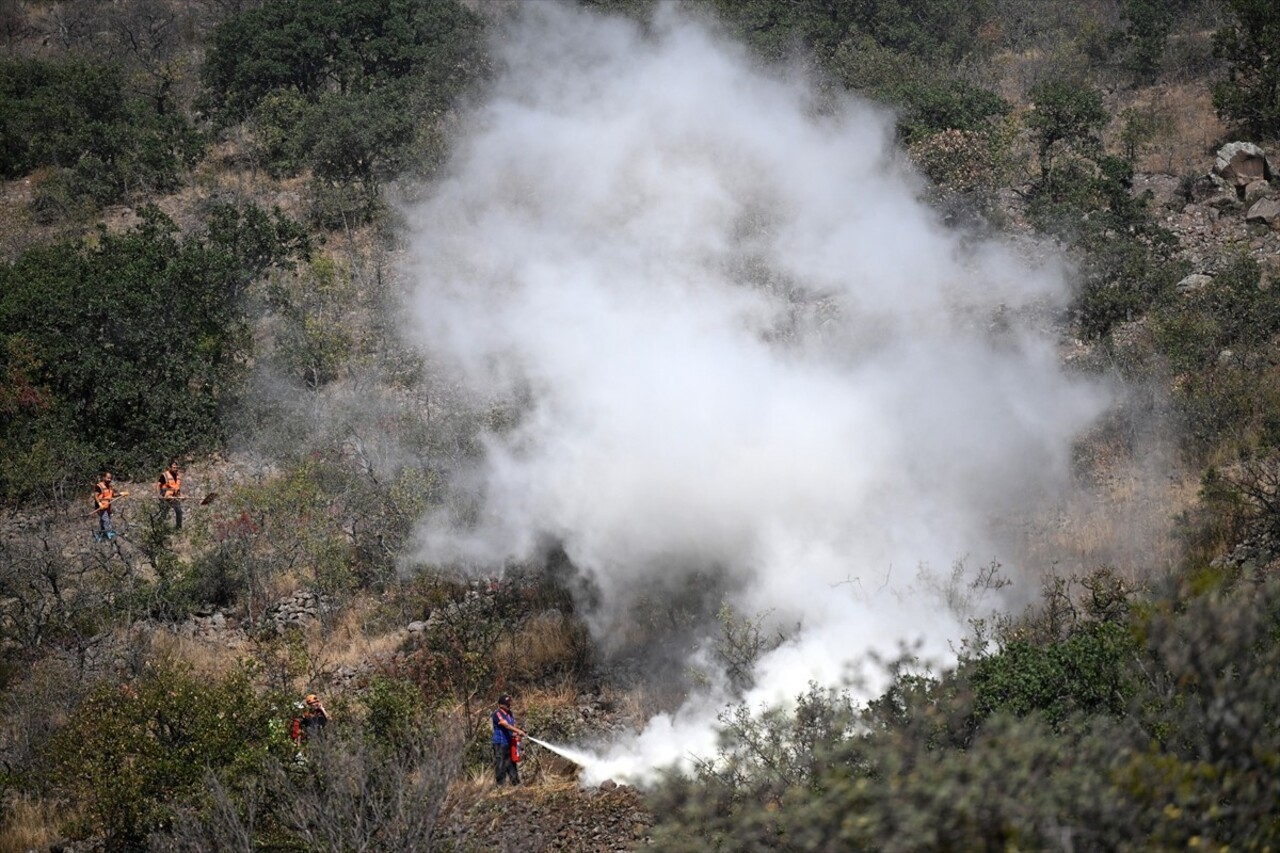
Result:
{"points": [[506, 743]]}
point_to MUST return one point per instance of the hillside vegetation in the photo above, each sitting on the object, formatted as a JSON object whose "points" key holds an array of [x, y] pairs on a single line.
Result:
{"points": [[205, 259]]}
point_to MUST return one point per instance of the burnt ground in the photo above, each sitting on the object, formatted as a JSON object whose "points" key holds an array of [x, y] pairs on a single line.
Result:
{"points": [[545, 816]]}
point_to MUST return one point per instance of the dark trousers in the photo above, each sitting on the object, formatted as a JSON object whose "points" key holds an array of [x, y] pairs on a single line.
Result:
{"points": [[176, 506], [503, 766]]}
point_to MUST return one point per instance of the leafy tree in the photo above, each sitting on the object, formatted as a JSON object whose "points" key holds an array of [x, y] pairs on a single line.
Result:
{"points": [[75, 116], [1067, 116], [946, 30], [314, 342], [131, 753], [137, 341], [1084, 672], [1148, 24], [360, 140], [278, 124], [945, 104], [777, 30], [1250, 96], [349, 90], [938, 32], [51, 114], [1141, 127], [276, 47], [1086, 198], [313, 47], [1169, 741]]}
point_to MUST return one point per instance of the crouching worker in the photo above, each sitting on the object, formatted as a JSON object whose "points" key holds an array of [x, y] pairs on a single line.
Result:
{"points": [[314, 717], [309, 720], [506, 735]]}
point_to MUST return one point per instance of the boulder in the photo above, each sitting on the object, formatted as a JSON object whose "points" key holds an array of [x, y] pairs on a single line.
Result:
{"points": [[1194, 282], [1267, 211], [1208, 187], [1166, 190], [1241, 163], [1257, 190]]}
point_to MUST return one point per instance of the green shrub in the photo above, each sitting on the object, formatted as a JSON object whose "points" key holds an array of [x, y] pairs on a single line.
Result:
{"points": [[103, 146], [1084, 672], [396, 711], [279, 123], [307, 46], [1065, 116], [1147, 27], [1250, 44], [137, 342], [945, 104], [1217, 339], [1144, 727], [131, 753]]}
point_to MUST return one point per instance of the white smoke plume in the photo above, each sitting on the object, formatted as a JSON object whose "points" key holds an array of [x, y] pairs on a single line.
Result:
{"points": [[741, 342]]}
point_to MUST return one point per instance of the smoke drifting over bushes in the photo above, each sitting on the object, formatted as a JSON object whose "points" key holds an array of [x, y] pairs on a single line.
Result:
{"points": [[740, 341]]}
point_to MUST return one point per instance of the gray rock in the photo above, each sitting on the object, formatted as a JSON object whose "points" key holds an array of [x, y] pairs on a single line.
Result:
{"points": [[1257, 190], [1209, 186], [1265, 210], [1166, 190], [1241, 163], [1194, 282]]}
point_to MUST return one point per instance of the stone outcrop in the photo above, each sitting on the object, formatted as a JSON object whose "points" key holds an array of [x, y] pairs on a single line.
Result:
{"points": [[298, 609], [1236, 203], [1265, 212], [1240, 164]]}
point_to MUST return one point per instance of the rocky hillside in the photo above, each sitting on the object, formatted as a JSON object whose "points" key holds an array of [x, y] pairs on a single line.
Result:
{"points": [[218, 219]]}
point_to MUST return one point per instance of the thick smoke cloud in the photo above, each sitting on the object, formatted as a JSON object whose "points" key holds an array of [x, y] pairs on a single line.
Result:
{"points": [[740, 342]]}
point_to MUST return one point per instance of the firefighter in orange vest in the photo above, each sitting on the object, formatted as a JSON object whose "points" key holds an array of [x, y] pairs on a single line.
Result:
{"points": [[104, 494], [309, 720], [170, 489]]}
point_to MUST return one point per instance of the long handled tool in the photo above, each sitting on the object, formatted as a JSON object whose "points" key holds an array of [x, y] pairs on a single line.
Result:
{"points": [[206, 500], [113, 499]]}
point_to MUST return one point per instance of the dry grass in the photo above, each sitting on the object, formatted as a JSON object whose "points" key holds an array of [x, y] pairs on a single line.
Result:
{"points": [[347, 640], [1194, 131], [205, 656], [545, 644], [29, 825], [1125, 522], [561, 694], [344, 641], [477, 786]]}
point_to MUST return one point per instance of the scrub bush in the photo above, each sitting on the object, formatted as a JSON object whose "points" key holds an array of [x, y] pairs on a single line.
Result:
{"points": [[131, 753]]}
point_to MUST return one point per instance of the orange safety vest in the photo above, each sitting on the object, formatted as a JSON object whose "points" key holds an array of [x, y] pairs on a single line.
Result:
{"points": [[170, 485], [103, 495]]}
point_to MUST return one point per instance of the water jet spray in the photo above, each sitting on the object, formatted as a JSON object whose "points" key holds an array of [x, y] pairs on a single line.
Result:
{"points": [[578, 757]]}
